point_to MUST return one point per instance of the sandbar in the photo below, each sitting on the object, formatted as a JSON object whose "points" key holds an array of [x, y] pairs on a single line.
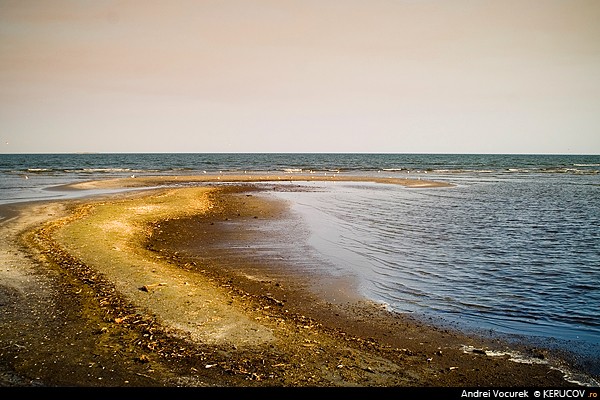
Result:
{"points": [[100, 292]]}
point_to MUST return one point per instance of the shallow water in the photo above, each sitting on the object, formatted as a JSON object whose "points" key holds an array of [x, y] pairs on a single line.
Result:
{"points": [[515, 256]]}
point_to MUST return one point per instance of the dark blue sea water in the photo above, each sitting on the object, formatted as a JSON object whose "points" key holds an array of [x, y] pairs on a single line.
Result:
{"points": [[512, 249]]}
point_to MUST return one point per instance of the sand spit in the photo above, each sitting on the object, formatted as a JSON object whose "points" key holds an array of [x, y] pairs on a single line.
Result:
{"points": [[147, 181], [91, 297]]}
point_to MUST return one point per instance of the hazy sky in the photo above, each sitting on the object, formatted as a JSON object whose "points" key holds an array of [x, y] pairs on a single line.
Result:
{"points": [[403, 76]]}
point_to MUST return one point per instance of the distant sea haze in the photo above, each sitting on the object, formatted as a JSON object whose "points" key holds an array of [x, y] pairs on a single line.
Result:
{"points": [[513, 248]]}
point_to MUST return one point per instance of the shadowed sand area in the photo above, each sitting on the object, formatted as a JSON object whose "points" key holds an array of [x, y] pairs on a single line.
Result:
{"points": [[137, 289]]}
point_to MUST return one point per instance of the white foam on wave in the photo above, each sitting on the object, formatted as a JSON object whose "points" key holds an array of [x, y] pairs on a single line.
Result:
{"points": [[518, 357], [92, 170]]}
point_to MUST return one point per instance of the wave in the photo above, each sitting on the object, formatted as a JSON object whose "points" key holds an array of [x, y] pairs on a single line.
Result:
{"points": [[106, 170], [566, 170], [103, 164], [84, 170], [459, 171], [35, 170], [590, 170]]}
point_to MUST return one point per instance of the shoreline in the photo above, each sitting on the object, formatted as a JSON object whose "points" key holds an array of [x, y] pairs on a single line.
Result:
{"points": [[162, 180], [131, 301]]}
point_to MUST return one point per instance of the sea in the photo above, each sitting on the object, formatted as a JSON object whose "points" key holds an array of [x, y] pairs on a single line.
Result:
{"points": [[510, 250]]}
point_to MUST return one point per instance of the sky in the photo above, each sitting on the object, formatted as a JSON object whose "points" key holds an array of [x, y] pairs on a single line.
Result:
{"points": [[380, 76]]}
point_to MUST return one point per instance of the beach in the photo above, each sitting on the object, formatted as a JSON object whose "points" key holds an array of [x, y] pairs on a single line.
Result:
{"points": [[99, 292]]}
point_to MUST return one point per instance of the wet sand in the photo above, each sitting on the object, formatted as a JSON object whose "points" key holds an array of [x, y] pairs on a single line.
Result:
{"points": [[109, 291], [133, 181]]}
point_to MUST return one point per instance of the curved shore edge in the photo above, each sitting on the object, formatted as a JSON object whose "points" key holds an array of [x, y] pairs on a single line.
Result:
{"points": [[96, 292]]}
